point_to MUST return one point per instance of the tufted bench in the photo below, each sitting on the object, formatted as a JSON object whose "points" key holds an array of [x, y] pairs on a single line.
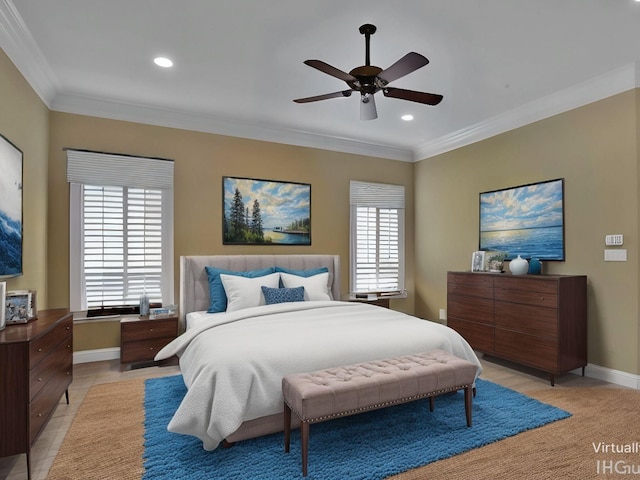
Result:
{"points": [[347, 390]]}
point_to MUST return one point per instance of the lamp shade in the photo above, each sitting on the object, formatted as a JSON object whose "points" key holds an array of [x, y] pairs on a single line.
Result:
{"points": [[368, 107]]}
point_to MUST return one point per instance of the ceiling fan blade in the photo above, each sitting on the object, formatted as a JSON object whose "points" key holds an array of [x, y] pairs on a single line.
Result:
{"points": [[328, 69], [409, 63], [412, 95], [326, 96]]}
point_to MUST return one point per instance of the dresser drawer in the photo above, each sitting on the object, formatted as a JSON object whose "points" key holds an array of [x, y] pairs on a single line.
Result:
{"points": [[540, 321], [43, 405], [136, 330], [541, 299], [60, 359], [479, 336], [470, 308], [532, 283], [538, 352], [142, 350], [474, 285], [40, 347]]}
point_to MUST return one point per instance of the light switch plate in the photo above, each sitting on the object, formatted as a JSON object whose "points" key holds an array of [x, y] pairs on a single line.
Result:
{"points": [[615, 255]]}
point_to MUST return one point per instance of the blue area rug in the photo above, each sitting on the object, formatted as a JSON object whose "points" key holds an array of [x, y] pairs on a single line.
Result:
{"points": [[371, 445]]}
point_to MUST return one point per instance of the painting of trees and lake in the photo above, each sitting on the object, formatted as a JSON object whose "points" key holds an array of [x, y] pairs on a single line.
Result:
{"points": [[265, 212], [527, 220]]}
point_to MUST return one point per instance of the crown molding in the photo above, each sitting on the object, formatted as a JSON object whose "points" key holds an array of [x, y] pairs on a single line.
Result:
{"points": [[606, 85], [19, 45], [137, 113]]}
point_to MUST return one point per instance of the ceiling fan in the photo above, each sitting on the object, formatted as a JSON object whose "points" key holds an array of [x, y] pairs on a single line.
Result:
{"points": [[369, 79]]}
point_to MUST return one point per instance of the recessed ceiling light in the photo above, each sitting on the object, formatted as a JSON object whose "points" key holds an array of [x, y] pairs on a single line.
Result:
{"points": [[163, 62], [409, 117]]}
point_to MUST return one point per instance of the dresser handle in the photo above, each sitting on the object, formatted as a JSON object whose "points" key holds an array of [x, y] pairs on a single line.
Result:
{"points": [[151, 329], [39, 379], [39, 414], [68, 327], [39, 349]]}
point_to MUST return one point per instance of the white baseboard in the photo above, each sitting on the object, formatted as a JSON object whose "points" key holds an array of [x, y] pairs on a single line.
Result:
{"points": [[99, 355], [617, 377]]}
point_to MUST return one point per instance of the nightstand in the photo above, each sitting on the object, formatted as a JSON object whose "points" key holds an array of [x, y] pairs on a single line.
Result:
{"points": [[378, 301], [141, 338]]}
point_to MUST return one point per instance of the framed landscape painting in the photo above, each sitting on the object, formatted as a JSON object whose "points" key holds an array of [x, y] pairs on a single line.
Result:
{"points": [[271, 212], [527, 220], [10, 209]]}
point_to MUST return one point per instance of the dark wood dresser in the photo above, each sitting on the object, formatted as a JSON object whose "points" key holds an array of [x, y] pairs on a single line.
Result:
{"points": [[535, 320], [36, 368]]}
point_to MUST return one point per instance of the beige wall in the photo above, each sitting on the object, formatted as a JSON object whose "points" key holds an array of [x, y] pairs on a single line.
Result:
{"points": [[595, 149], [24, 120], [201, 160]]}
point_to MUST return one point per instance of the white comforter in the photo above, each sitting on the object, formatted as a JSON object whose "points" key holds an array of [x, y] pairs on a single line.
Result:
{"points": [[233, 367]]}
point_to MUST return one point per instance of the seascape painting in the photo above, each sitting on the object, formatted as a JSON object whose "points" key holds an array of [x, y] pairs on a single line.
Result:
{"points": [[265, 212], [10, 209], [527, 220]]}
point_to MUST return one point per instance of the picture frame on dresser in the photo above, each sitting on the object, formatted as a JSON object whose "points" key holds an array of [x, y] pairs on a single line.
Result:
{"points": [[20, 306], [477, 261]]}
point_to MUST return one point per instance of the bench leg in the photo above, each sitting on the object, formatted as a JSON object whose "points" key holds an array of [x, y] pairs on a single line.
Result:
{"points": [[304, 435], [467, 403], [431, 404], [287, 427]]}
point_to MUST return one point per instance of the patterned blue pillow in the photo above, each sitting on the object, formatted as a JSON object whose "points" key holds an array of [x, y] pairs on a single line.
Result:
{"points": [[283, 295]]}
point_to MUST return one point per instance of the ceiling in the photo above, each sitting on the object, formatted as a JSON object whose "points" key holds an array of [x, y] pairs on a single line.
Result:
{"points": [[238, 65]]}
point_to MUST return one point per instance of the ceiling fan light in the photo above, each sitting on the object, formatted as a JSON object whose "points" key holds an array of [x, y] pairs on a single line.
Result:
{"points": [[368, 107]]}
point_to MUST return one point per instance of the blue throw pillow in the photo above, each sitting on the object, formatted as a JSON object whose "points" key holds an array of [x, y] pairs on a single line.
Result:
{"points": [[301, 273], [282, 295], [217, 295]]}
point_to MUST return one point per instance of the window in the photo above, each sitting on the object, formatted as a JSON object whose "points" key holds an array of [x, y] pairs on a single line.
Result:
{"points": [[121, 230], [377, 237]]}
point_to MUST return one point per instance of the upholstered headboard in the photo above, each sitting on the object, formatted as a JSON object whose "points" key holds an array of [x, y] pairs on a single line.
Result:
{"points": [[194, 284]]}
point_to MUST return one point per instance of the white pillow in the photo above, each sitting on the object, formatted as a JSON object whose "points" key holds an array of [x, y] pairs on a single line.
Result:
{"points": [[315, 287], [243, 292]]}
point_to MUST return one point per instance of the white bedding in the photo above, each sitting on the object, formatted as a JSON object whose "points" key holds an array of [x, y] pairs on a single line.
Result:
{"points": [[233, 364]]}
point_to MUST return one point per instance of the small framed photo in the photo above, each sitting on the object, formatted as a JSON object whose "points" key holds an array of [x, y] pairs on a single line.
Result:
{"points": [[20, 306], [477, 261]]}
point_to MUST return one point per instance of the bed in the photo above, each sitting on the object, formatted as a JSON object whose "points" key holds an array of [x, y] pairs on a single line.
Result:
{"points": [[233, 361]]}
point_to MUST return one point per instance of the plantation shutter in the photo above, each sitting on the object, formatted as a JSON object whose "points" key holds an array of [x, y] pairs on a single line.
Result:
{"points": [[377, 237], [121, 228]]}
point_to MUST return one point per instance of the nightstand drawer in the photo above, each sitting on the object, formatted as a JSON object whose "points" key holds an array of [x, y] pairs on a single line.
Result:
{"points": [[136, 330], [142, 351]]}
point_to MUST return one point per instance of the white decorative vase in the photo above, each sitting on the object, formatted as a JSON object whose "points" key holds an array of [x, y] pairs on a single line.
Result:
{"points": [[519, 266]]}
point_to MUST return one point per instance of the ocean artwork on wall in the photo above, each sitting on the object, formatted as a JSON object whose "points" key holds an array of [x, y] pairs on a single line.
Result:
{"points": [[10, 209], [265, 212], [527, 220]]}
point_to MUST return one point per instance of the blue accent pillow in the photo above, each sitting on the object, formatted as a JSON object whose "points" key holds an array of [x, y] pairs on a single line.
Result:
{"points": [[217, 295], [282, 295], [301, 273]]}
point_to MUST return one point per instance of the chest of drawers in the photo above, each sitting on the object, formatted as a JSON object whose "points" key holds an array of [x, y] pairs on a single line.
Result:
{"points": [[36, 368], [535, 320]]}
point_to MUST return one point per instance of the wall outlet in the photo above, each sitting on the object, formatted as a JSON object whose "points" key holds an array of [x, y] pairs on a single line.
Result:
{"points": [[443, 314], [615, 239]]}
